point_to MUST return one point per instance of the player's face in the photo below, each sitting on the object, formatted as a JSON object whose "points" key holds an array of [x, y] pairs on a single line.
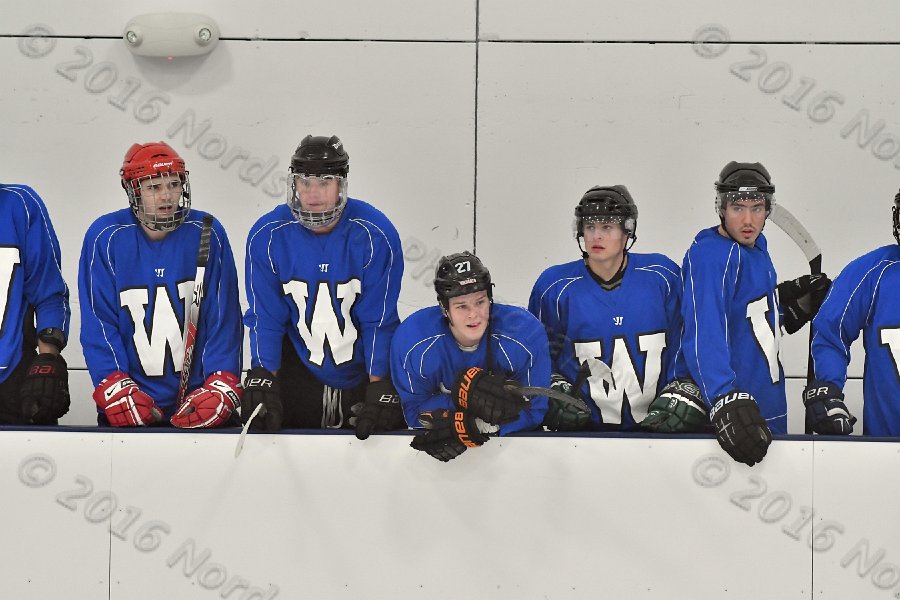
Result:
{"points": [[161, 196], [745, 220], [317, 193], [469, 316], [604, 241]]}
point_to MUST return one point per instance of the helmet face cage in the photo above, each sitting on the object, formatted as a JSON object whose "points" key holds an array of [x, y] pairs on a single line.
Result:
{"points": [[606, 205], [151, 219], [460, 274], [310, 219], [156, 160], [318, 160]]}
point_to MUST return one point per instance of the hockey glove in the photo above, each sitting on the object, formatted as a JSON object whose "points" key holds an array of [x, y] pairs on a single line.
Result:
{"points": [[678, 409], [565, 416], [211, 404], [449, 434], [261, 387], [380, 412], [124, 403], [801, 298], [480, 394], [826, 412], [44, 392], [740, 428]]}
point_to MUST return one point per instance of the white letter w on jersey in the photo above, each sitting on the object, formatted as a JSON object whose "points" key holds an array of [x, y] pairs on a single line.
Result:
{"points": [[165, 330], [324, 325]]}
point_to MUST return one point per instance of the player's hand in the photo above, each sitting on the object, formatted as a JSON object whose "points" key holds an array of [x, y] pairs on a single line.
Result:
{"points": [[679, 408], [565, 416], [740, 428], [380, 412], [211, 404], [448, 434], [44, 393], [801, 298], [826, 412], [480, 394], [261, 387], [124, 403]]}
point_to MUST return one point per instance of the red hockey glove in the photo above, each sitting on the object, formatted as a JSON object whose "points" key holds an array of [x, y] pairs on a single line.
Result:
{"points": [[124, 403], [211, 404]]}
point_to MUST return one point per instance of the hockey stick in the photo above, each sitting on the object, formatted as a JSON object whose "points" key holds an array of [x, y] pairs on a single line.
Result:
{"points": [[193, 314], [797, 232], [570, 401], [245, 429], [564, 398]]}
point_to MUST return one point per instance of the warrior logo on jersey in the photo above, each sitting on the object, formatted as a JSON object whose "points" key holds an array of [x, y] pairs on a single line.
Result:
{"points": [[614, 387], [320, 323], [161, 334]]}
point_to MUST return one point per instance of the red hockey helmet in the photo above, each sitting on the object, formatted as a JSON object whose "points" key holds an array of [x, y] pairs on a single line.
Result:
{"points": [[156, 161]]}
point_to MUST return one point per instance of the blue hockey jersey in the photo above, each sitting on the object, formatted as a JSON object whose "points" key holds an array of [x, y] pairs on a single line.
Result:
{"points": [[863, 299], [426, 360], [634, 329], [30, 273], [334, 295], [134, 292], [732, 322]]}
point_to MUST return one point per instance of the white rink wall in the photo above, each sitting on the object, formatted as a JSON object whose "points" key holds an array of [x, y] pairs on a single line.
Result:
{"points": [[122, 516]]}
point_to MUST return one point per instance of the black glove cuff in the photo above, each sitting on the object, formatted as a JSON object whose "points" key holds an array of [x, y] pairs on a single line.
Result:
{"points": [[260, 377], [819, 391]]}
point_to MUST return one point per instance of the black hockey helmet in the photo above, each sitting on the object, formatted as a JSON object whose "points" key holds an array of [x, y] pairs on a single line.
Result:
{"points": [[607, 204], [460, 274], [320, 155], [743, 181]]}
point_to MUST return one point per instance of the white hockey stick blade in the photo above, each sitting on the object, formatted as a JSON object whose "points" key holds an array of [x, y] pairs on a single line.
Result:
{"points": [[796, 231], [245, 429]]}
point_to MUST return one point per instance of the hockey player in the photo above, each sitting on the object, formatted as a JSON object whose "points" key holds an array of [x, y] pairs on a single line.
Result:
{"points": [[733, 315], [323, 277], [451, 362], [34, 387], [614, 322], [860, 301], [135, 282]]}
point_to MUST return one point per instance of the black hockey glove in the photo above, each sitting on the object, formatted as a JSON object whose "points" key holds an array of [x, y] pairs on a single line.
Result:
{"points": [[44, 392], [801, 298], [826, 412], [380, 412], [449, 434], [679, 408], [480, 394], [565, 416], [261, 387], [740, 428]]}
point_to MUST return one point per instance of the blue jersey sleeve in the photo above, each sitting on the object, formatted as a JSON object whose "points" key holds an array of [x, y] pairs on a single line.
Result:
{"points": [[544, 303], [708, 279], [376, 310], [44, 285], [104, 350], [524, 353], [267, 315], [416, 380], [843, 316]]}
